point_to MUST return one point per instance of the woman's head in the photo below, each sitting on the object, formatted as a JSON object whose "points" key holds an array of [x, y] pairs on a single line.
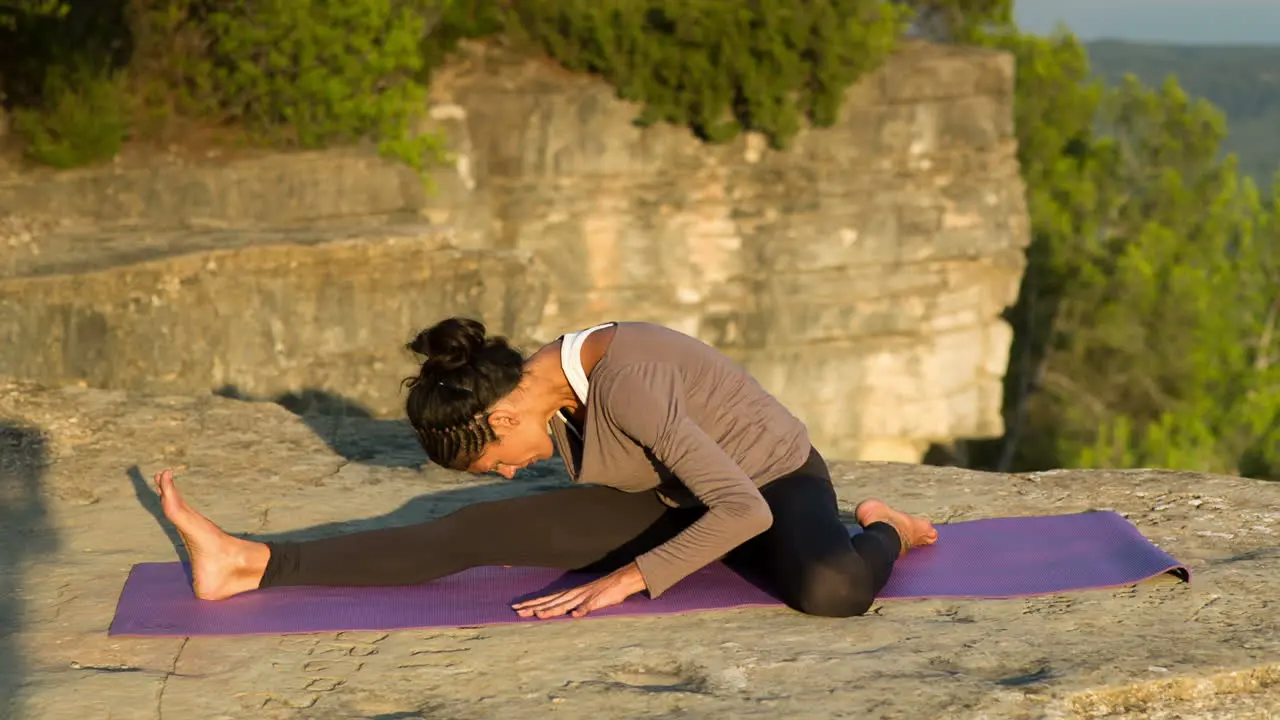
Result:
{"points": [[467, 404]]}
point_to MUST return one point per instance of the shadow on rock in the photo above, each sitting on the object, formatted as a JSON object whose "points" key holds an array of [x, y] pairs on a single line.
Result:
{"points": [[417, 510], [354, 433], [471, 490], [149, 499], [25, 535], [347, 427]]}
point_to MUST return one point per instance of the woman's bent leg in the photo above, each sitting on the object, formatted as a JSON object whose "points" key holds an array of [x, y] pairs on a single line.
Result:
{"points": [[807, 554], [570, 528]]}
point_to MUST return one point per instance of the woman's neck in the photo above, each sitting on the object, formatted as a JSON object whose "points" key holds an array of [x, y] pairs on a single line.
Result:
{"points": [[548, 389], [547, 374]]}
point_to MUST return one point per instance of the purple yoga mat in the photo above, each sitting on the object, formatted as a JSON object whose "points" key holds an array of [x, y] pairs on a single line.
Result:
{"points": [[996, 558]]}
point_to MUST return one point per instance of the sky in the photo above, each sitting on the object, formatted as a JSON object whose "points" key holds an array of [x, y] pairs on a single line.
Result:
{"points": [[1198, 22]]}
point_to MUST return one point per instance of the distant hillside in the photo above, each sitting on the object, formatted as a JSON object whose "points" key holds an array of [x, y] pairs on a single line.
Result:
{"points": [[1181, 22], [1244, 81]]}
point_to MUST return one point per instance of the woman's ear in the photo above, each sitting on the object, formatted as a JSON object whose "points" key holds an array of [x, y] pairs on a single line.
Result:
{"points": [[503, 420]]}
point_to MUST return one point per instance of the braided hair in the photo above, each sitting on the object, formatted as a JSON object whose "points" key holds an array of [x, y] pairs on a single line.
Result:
{"points": [[464, 373]]}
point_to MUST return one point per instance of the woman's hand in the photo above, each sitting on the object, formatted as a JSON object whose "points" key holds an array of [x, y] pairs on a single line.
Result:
{"points": [[595, 595]]}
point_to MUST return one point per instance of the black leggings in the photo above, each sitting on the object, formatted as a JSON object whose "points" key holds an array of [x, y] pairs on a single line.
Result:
{"points": [[806, 557]]}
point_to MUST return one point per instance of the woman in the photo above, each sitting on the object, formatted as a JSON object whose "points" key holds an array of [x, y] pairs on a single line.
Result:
{"points": [[685, 460]]}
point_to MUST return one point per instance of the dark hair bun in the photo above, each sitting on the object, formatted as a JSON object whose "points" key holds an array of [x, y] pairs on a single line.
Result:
{"points": [[465, 372], [450, 344]]}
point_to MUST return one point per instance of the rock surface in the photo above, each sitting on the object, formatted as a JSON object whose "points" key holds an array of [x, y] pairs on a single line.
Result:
{"points": [[77, 511], [861, 273], [263, 314]]}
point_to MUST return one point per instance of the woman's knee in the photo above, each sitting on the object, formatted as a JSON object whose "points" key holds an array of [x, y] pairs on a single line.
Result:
{"points": [[831, 593]]}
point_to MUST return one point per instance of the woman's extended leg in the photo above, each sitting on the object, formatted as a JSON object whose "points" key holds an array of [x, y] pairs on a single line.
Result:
{"points": [[807, 554], [571, 528]]}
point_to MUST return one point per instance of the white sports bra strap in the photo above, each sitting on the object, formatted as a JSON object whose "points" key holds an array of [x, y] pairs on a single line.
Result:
{"points": [[571, 360]]}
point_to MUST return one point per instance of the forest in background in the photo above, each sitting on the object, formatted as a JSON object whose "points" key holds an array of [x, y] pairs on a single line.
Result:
{"points": [[1243, 81], [1147, 329]]}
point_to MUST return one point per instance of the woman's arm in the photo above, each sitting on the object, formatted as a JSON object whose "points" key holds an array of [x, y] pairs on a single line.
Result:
{"points": [[646, 402]]}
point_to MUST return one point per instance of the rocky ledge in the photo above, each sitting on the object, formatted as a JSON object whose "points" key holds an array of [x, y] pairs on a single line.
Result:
{"points": [[77, 512]]}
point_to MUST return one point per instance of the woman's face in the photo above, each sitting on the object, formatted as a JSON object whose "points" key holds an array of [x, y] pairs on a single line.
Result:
{"points": [[522, 441]]}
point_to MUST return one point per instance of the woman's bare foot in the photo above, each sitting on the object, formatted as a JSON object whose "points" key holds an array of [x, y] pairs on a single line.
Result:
{"points": [[221, 565], [914, 531]]}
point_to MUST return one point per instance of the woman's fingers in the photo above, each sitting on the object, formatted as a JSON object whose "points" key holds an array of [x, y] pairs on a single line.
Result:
{"points": [[544, 600], [550, 610], [579, 601], [596, 595], [551, 605], [586, 607], [535, 601]]}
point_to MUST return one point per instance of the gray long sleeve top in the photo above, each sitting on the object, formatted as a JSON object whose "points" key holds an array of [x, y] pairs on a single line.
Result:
{"points": [[669, 413]]}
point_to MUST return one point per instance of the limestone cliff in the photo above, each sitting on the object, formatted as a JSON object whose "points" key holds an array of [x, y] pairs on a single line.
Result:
{"points": [[860, 274], [76, 512]]}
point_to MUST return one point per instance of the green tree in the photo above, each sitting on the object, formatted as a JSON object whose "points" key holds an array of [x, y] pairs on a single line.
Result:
{"points": [[1145, 329], [1055, 106], [11, 11], [1170, 326]]}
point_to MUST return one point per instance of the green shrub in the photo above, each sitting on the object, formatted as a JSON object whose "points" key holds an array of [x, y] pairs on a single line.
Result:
{"points": [[13, 11], [721, 67], [962, 20], [309, 73], [170, 68], [462, 19], [82, 119]]}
